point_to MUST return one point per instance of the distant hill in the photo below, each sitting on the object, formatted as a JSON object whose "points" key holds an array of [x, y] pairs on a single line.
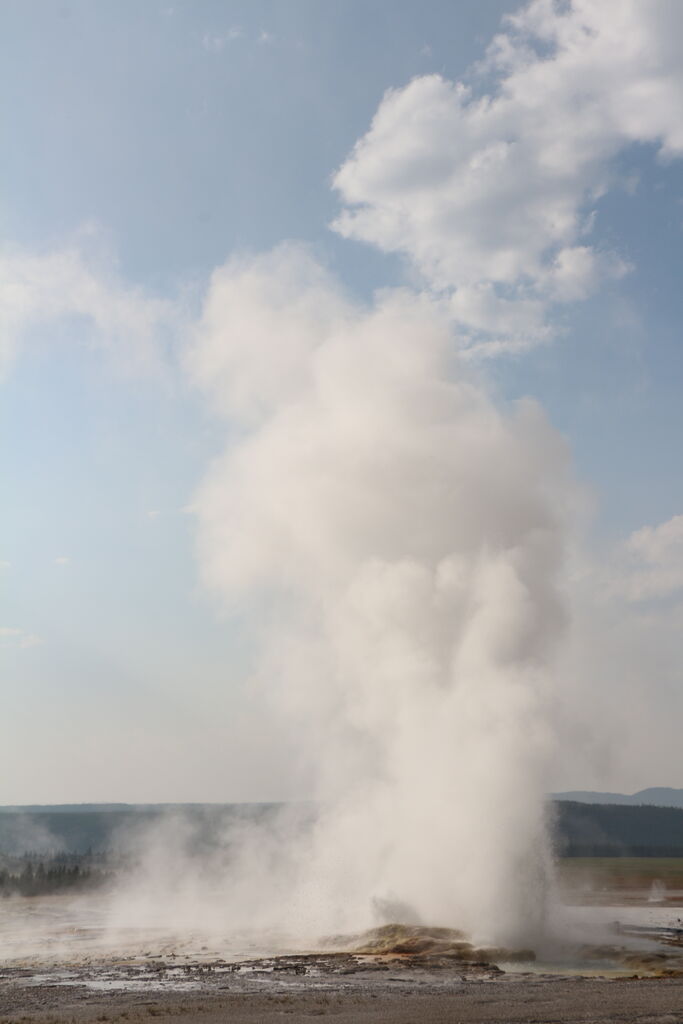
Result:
{"points": [[117, 808], [616, 830], [579, 828], [65, 808], [113, 828], [656, 796]]}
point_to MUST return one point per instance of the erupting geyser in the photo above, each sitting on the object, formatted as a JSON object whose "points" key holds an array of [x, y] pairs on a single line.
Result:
{"points": [[401, 537]]}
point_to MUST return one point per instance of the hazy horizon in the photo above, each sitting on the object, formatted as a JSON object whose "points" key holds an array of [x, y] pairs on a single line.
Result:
{"points": [[216, 803]]}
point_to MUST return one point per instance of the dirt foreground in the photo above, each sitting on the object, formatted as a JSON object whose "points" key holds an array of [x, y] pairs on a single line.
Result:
{"points": [[345, 991], [396, 974]]}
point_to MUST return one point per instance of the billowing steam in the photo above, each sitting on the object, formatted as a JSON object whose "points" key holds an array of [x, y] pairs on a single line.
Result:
{"points": [[400, 537]]}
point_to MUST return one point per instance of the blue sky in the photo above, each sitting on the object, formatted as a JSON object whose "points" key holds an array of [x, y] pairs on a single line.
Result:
{"points": [[180, 128], [157, 140]]}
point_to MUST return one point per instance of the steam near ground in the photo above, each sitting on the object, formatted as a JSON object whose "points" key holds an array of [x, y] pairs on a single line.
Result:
{"points": [[234, 884]]}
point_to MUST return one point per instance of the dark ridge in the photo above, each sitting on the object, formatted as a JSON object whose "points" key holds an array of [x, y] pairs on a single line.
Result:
{"points": [[99, 829], [579, 829], [615, 830], [658, 796], [127, 808]]}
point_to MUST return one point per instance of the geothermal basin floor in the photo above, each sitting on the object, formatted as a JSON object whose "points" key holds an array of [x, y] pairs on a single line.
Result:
{"points": [[395, 995], [63, 967], [345, 986]]}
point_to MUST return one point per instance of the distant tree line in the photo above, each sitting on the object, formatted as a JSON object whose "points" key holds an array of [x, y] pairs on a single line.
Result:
{"points": [[616, 830], [58, 874]]}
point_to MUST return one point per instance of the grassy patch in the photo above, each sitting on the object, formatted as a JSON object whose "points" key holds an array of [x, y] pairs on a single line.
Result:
{"points": [[621, 873]]}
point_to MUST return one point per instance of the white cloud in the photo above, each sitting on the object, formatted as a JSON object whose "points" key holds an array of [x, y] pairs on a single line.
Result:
{"points": [[11, 636], [490, 194], [657, 544], [62, 560], [645, 567], [481, 311], [38, 288], [653, 563]]}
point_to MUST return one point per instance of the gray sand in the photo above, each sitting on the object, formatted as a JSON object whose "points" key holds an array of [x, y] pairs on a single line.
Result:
{"points": [[399, 996]]}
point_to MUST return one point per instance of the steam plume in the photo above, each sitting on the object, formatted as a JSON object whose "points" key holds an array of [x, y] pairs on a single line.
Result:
{"points": [[401, 538]]}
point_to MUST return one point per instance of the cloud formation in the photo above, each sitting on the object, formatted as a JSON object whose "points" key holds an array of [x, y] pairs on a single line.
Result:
{"points": [[651, 563], [41, 288], [491, 194]]}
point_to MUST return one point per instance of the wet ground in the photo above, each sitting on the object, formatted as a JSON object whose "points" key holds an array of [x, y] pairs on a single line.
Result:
{"points": [[60, 961], [338, 988]]}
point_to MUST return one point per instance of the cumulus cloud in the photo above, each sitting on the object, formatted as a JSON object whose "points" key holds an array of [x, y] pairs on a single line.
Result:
{"points": [[39, 288], [656, 544], [490, 194], [650, 565]]}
